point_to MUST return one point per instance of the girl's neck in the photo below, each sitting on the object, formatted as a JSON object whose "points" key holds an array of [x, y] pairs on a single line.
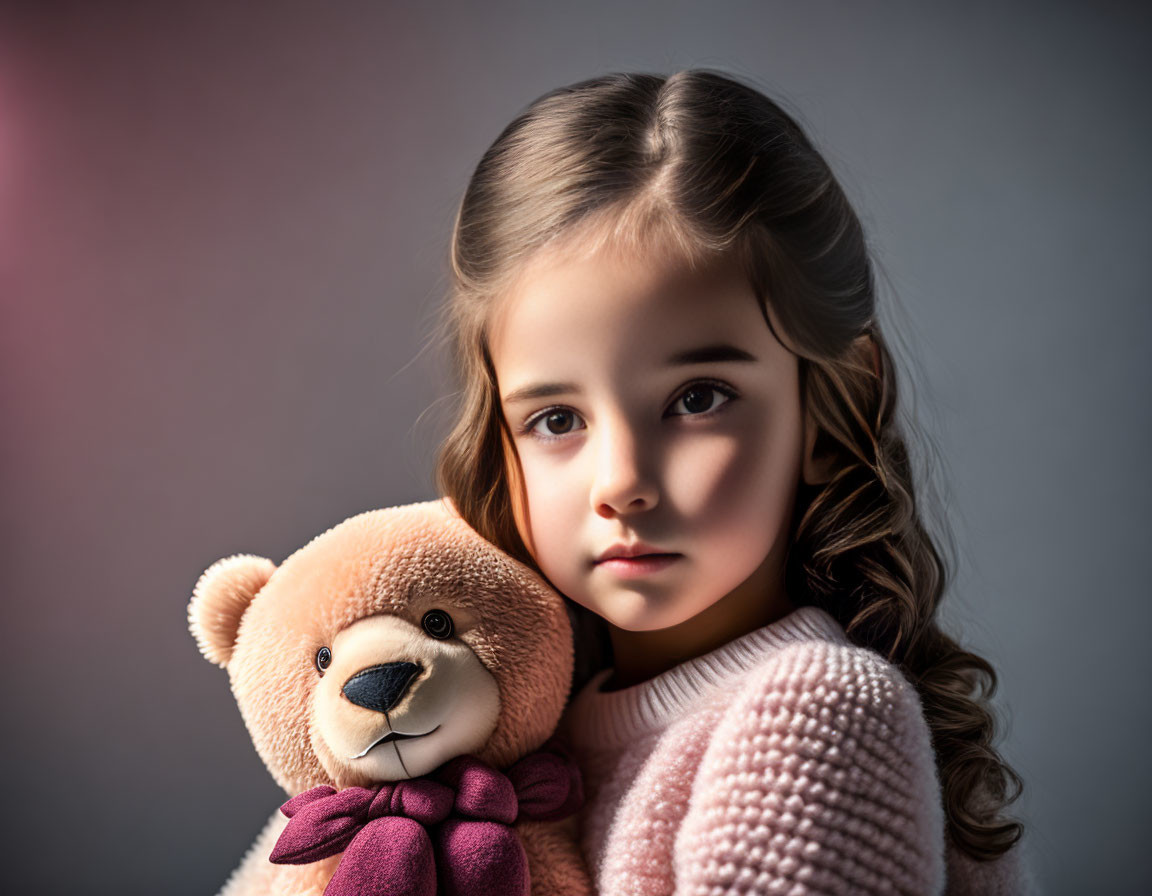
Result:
{"points": [[759, 601]]}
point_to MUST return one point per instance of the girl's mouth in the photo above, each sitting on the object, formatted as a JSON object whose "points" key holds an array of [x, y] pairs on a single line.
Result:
{"points": [[641, 565]]}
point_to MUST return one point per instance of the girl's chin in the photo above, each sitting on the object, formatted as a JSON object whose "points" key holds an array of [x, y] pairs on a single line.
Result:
{"points": [[651, 621]]}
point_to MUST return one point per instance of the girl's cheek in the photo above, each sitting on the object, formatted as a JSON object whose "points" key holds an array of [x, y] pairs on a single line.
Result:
{"points": [[710, 473], [548, 484]]}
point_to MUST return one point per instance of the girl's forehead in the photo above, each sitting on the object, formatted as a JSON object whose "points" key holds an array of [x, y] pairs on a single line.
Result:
{"points": [[569, 287], [615, 306]]}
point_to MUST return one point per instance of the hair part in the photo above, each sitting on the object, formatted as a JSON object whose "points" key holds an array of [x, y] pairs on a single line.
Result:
{"points": [[700, 165]]}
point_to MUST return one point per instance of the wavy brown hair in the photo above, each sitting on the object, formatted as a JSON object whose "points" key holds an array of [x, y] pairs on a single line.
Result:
{"points": [[709, 165]]}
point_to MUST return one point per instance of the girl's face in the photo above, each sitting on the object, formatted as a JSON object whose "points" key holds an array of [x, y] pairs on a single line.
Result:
{"points": [[649, 403]]}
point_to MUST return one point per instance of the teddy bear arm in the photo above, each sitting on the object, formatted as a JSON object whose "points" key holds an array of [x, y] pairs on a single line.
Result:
{"points": [[554, 861]]}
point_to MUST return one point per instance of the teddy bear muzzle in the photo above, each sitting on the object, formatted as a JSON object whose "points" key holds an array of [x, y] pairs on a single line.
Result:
{"points": [[395, 702]]}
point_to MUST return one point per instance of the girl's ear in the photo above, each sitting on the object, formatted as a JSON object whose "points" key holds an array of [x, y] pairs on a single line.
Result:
{"points": [[873, 353], [817, 468]]}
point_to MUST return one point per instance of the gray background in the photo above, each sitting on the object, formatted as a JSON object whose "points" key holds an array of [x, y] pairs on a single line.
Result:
{"points": [[223, 232]]}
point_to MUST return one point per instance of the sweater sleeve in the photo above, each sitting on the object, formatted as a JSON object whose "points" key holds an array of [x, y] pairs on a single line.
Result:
{"points": [[819, 778]]}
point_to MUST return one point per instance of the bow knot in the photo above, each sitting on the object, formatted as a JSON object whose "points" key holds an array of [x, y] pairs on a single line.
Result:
{"points": [[448, 832]]}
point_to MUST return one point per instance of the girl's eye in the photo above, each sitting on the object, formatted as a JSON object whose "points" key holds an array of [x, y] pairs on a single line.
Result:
{"points": [[557, 422], [323, 659], [438, 624], [700, 398]]}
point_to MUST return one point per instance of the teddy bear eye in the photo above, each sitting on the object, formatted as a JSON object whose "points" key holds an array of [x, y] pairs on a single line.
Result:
{"points": [[437, 623], [323, 658]]}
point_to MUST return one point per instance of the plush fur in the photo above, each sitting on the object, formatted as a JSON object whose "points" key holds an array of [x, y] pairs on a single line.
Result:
{"points": [[495, 688]]}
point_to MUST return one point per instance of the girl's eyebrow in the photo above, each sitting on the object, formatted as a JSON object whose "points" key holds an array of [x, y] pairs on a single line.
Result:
{"points": [[709, 354], [706, 354]]}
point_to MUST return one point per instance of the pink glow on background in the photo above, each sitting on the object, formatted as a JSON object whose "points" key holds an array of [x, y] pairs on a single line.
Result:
{"points": [[175, 386], [8, 160]]}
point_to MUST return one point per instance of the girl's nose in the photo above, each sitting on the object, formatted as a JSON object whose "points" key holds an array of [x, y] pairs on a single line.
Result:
{"points": [[622, 483]]}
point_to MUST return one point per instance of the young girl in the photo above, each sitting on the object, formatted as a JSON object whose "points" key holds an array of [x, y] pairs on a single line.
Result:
{"points": [[678, 408]]}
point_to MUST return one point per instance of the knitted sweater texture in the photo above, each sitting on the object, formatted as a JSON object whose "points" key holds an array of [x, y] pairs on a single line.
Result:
{"points": [[788, 761]]}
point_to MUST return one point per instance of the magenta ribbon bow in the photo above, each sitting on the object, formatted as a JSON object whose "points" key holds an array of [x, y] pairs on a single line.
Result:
{"points": [[446, 834]]}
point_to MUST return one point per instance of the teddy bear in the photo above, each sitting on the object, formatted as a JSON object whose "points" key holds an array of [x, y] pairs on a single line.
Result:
{"points": [[401, 678]]}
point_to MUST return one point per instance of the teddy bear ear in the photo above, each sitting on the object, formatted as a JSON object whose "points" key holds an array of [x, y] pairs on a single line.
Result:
{"points": [[220, 599]]}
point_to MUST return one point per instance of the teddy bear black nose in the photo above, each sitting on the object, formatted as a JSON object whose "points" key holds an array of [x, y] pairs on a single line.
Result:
{"points": [[381, 687]]}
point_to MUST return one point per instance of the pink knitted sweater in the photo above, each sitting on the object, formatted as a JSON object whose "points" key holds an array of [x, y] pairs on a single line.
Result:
{"points": [[788, 761]]}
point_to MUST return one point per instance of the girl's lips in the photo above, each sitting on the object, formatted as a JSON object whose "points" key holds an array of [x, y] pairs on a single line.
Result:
{"points": [[630, 551], [645, 564]]}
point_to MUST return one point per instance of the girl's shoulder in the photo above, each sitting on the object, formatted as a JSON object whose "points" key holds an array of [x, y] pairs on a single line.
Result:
{"points": [[818, 672], [825, 744], [836, 703], [831, 711], [832, 673]]}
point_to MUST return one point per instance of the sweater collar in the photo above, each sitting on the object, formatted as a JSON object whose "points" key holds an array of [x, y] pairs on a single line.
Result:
{"points": [[596, 720]]}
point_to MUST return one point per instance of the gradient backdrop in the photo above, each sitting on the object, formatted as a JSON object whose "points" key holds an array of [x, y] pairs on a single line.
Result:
{"points": [[223, 233]]}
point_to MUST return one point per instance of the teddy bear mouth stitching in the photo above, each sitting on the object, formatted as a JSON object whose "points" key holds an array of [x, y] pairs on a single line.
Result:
{"points": [[393, 736]]}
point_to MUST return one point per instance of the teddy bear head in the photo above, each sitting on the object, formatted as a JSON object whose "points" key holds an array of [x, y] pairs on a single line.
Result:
{"points": [[386, 646]]}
